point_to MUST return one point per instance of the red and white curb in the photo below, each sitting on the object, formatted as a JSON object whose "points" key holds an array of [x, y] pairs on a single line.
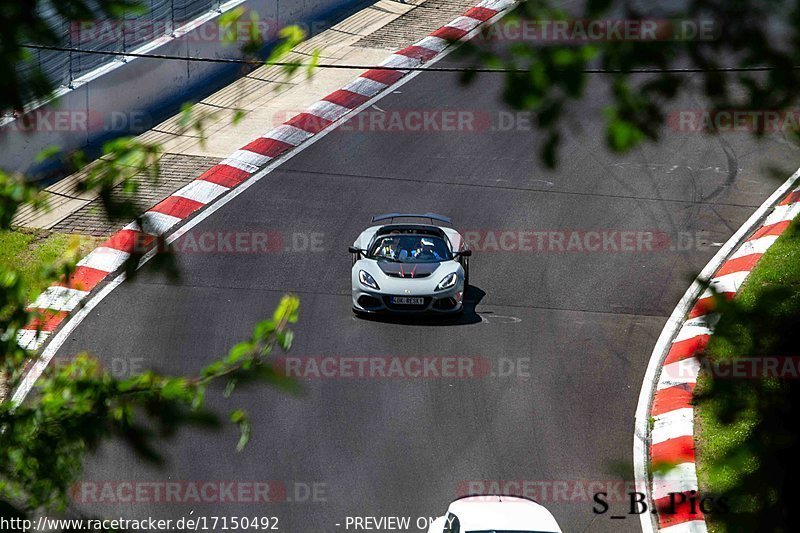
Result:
{"points": [[667, 392], [57, 302]]}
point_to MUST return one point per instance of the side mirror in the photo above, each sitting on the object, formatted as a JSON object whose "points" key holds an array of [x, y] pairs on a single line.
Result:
{"points": [[353, 250], [465, 253]]}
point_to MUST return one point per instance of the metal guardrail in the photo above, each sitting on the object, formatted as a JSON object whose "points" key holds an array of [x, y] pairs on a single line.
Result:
{"points": [[107, 35], [127, 95]]}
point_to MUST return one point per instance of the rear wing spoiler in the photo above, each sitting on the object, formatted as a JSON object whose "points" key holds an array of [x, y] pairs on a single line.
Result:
{"points": [[430, 216]]}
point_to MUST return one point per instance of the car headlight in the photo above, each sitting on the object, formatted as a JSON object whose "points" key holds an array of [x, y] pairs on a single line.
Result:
{"points": [[448, 282], [366, 279]]}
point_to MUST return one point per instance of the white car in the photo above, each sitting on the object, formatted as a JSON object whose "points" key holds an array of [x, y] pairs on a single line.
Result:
{"points": [[409, 267], [495, 514]]}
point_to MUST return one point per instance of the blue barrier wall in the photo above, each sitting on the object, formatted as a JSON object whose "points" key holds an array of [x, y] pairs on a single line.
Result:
{"points": [[129, 95]]}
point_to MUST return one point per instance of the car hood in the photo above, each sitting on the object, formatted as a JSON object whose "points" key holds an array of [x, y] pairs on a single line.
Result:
{"points": [[384, 273], [407, 270]]}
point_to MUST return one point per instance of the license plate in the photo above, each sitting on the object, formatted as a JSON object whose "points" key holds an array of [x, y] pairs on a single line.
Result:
{"points": [[407, 300]]}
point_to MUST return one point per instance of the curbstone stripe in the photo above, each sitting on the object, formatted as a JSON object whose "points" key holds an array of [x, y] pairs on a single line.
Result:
{"points": [[672, 435], [55, 304]]}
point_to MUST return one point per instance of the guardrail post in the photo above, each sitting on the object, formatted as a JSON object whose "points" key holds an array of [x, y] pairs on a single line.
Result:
{"points": [[70, 75]]}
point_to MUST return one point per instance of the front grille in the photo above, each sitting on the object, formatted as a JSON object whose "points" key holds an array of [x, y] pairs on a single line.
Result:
{"points": [[400, 307]]}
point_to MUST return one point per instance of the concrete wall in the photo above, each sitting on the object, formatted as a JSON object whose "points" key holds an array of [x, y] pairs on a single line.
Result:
{"points": [[128, 97]]}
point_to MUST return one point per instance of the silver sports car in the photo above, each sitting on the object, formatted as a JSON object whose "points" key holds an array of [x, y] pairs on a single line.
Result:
{"points": [[409, 267]]}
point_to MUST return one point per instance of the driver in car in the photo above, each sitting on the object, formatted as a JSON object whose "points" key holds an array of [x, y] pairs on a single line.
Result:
{"points": [[426, 250], [388, 248]]}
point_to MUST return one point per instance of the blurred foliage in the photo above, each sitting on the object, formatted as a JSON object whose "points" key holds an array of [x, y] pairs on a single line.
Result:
{"points": [[749, 440], [547, 75], [23, 22], [78, 404], [195, 118], [750, 61], [123, 160]]}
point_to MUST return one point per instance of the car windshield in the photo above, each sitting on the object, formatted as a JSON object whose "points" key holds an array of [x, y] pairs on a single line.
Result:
{"points": [[410, 249]]}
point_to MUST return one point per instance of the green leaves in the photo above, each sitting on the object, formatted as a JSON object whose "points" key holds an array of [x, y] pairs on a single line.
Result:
{"points": [[313, 63], [288, 311], [237, 117], [289, 37], [174, 388], [227, 23], [195, 120], [14, 193], [747, 439], [621, 135], [285, 339], [240, 418], [47, 153], [239, 352], [547, 66], [114, 175], [78, 404]]}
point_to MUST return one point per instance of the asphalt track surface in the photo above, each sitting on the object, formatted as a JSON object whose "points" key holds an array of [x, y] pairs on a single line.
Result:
{"points": [[584, 322]]}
